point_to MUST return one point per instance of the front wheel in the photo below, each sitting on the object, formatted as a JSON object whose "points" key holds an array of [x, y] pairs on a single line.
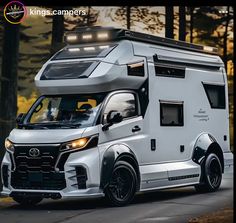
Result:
{"points": [[122, 185], [211, 174], [27, 201]]}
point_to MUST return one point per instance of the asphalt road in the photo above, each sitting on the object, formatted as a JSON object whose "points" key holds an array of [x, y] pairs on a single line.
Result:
{"points": [[175, 205]]}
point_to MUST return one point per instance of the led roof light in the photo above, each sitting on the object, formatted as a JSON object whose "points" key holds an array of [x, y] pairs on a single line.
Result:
{"points": [[87, 36], [103, 47], [74, 49], [208, 48], [89, 48], [71, 38], [103, 35]]}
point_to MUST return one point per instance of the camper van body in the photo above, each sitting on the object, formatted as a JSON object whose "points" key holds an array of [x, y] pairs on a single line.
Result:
{"points": [[178, 115]]}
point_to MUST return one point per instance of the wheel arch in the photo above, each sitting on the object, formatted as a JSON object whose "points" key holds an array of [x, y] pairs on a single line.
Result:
{"points": [[111, 156], [206, 144]]}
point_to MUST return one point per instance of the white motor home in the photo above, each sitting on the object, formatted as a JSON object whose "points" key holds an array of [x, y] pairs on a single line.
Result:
{"points": [[121, 112]]}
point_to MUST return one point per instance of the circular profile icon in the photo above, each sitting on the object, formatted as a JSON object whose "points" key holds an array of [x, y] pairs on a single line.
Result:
{"points": [[14, 12]]}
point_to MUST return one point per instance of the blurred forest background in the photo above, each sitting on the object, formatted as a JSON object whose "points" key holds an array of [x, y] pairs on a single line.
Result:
{"points": [[26, 47]]}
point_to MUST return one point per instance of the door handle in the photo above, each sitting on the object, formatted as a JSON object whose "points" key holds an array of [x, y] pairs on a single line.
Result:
{"points": [[136, 128]]}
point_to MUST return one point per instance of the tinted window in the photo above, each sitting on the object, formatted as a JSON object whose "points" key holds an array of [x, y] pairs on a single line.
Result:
{"points": [[169, 71], [124, 103], [171, 114], [72, 70], [136, 69], [66, 110], [215, 95]]}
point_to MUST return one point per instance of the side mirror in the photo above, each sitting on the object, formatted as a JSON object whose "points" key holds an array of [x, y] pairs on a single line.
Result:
{"points": [[20, 118], [113, 117]]}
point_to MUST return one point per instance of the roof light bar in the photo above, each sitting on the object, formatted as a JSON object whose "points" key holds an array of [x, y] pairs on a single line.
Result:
{"points": [[99, 34]]}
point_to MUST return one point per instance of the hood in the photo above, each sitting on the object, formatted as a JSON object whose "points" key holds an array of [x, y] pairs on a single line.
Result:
{"points": [[44, 136]]}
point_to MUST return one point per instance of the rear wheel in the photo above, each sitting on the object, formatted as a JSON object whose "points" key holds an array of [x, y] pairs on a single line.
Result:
{"points": [[211, 174], [27, 201], [122, 185]]}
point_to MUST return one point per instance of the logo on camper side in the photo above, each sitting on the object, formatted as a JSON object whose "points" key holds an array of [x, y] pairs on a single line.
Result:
{"points": [[14, 12], [34, 152]]}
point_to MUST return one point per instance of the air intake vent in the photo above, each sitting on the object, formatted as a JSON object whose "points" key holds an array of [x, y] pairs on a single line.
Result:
{"points": [[5, 175], [81, 176]]}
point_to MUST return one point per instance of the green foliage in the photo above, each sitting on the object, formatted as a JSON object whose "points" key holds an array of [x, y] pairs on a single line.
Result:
{"points": [[35, 42], [146, 19]]}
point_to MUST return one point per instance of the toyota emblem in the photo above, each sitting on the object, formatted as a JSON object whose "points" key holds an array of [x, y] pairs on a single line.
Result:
{"points": [[34, 152]]}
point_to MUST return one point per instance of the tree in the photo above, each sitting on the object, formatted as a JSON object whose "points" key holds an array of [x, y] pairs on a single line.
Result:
{"points": [[71, 22], [138, 18], [182, 23], [128, 9], [57, 32], [8, 81], [169, 22], [191, 10], [225, 36]]}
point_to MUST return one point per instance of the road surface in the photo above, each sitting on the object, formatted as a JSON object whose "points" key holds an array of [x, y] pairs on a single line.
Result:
{"points": [[167, 206]]}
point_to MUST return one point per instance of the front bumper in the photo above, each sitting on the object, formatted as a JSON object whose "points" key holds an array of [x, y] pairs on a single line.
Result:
{"points": [[88, 159]]}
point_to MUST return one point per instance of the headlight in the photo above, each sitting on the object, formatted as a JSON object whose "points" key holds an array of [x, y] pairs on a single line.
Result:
{"points": [[9, 145], [77, 144]]}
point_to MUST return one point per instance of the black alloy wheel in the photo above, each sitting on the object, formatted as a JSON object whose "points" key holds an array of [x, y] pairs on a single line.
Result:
{"points": [[122, 185], [211, 174]]}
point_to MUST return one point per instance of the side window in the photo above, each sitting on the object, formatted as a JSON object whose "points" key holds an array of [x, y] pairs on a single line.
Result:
{"points": [[168, 70], [171, 114], [215, 95], [125, 103], [136, 69]]}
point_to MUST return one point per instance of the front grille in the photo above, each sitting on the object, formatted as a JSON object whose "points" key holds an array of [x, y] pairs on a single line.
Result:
{"points": [[37, 171], [45, 161], [38, 180]]}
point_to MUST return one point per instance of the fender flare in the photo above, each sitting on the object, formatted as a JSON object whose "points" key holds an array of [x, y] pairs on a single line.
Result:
{"points": [[204, 145], [111, 156]]}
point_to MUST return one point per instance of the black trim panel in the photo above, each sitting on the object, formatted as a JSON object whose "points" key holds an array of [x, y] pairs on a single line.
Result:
{"points": [[185, 64], [183, 177]]}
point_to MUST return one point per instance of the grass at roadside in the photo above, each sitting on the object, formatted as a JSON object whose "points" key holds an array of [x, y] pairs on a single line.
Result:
{"points": [[5, 199], [221, 216]]}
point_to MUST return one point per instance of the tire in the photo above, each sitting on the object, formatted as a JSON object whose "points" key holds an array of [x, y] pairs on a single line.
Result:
{"points": [[27, 201], [121, 188], [211, 174]]}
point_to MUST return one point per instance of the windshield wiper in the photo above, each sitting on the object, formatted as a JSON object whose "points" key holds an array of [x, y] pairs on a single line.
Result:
{"points": [[50, 124], [70, 125], [35, 125]]}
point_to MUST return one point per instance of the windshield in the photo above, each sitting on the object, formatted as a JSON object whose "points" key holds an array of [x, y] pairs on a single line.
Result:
{"points": [[65, 111]]}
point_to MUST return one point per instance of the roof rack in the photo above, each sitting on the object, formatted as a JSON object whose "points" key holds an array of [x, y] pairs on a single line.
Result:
{"points": [[101, 34]]}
